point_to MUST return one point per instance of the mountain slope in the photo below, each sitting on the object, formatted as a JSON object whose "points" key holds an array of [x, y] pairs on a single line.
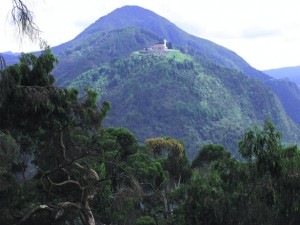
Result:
{"points": [[107, 29], [96, 49], [176, 95], [136, 16]]}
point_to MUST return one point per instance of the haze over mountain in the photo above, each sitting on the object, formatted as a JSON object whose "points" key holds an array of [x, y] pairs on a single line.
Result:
{"points": [[291, 73], [201, 93]]}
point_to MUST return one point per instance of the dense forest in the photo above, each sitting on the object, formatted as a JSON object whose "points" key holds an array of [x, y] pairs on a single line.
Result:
{"points": [[60, 165], [175, 94]]}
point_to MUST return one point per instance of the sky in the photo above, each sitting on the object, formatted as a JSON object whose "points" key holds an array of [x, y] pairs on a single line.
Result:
{"points": [[266, 33]]}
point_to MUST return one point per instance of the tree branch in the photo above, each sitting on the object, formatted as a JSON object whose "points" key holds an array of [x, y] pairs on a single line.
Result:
{"points": [[34, 211], [23, 18]]}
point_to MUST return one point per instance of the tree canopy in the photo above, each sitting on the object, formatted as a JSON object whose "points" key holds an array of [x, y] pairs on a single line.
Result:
{"points": [[60, 165]]}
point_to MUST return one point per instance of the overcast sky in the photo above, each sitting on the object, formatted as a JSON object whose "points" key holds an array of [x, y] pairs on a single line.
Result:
{"points": [[266, 33]]}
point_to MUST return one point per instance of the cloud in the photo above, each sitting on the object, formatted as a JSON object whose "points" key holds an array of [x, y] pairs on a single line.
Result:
{"points": [[258, 32]]}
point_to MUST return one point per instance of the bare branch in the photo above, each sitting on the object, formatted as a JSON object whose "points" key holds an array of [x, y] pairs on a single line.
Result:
{"points": [[34, 211], [2, 63], [65, 183], [22, 17]]}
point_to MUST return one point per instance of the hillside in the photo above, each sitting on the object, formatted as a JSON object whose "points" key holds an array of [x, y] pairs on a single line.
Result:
{"points": [[96, 49], [176, 95], [106, 40]]}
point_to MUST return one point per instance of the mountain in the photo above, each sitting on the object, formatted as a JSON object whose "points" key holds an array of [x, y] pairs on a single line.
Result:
{"points": [[86, 44], [202, 93], [177, 95], [101, 42], [10, 57], [289, 95], [135, 16], [285, 84], [291, 73]]}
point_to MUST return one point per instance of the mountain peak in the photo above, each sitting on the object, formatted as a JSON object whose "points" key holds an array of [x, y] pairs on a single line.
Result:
{"points": [[136, 16], [132, 9], [127, 16]]}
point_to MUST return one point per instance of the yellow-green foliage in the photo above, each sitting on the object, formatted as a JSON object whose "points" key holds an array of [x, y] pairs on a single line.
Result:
{"points": [[161, 144]]}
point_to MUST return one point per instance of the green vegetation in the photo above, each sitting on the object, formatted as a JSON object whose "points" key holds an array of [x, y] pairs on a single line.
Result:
{"points": [[178, 56], [60, 165], [83, 54], [151, 28], [191, 100]]}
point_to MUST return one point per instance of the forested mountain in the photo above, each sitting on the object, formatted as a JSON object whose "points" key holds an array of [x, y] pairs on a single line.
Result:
{"points": [[178, 96], [134, 16], [85, 51], [216, 111]]}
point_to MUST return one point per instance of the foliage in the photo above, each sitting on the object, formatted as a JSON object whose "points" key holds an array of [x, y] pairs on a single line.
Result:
{"points": [[177, 95], [209, 153], [145, 220], [250, 192], [59, 165], [58, 131]]}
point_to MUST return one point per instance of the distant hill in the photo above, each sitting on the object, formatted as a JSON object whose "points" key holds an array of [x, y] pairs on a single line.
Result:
{"points": [[291, 73], [10, 58], [285, 84]]}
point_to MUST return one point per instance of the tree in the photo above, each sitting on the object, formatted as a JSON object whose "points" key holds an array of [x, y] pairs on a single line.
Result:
{"points": [[262, 147], [173, 153], [23, 18], [272, 176], [61, 133], [173, 157], [209, 153]]}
